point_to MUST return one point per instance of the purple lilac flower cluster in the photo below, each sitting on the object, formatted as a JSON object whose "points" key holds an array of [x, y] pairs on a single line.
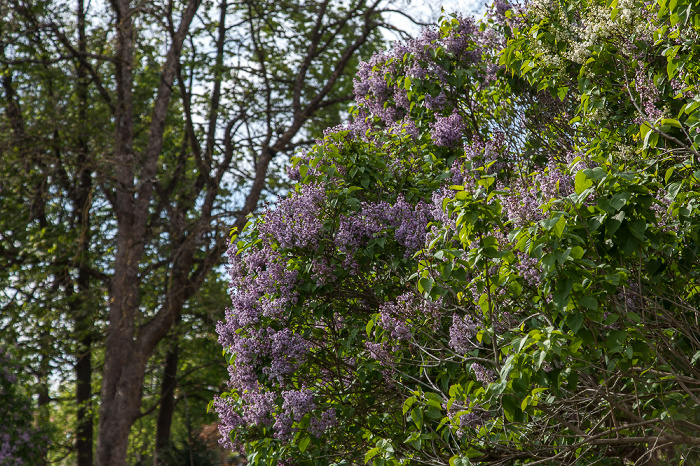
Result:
{"points": [[380, 92], [408, 222], [661, 209], [484, 153], [522, 204], [297, 403], [472, 418], [395, 316], [649, 96], [296, 221], [328, 420], [462, 331], [448, 131], [436, 208], [554, 183], [381, 352], [482, 374], [529, 269], [406, 126], [459, 41], [262, 287]]}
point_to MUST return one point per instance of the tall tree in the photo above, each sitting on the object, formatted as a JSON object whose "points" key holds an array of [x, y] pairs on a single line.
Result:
{"points": [[165, 123]]}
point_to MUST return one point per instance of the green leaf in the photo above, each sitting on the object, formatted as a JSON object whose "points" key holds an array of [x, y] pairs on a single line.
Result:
{"points": [[305, 443], [371, 454], [613, 223], [560, 297], [619, 200], [650, 140], [577, 252], [425, 285], [588, 302], [597, 173], [669, 173], [561, 92], [674, 188], [615, 340], [408, 403], [510, 407], [670, 122], [637, 228], [417, 416], [370, 326], [574, 321], [671, 68], [582, 182]]}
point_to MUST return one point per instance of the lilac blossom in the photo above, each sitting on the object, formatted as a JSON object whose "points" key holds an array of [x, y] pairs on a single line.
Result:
{"points": [[482, 374], [406, 126], [448, 131], [529, 269], [229, 420], [554, 183], [437, 103], [297, 403], [463, 329], [408, 222], [318, 426], [649, 96], [437, 211], [296, 220], [287, 351], [460, 38], [661, 209], [381, 353], [493, 150], [260, 273], [395, 316], [521, 205]]}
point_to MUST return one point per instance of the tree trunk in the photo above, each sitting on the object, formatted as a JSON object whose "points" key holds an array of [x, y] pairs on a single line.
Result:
{"points": [[125, 355], [44, 398], [167, 402], [83, 398], [83, 322]]}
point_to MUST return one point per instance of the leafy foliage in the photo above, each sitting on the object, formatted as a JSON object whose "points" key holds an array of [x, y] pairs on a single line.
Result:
{"points": [[495, 262], [20, 441]]}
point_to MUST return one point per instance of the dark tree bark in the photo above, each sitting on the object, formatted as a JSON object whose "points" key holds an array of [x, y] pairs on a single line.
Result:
{"points": [[167, 401], [125, 355], [83, 319]]}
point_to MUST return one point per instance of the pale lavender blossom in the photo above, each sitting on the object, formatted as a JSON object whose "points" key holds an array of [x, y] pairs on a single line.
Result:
{"points": [[317, 427], [462, 331], [482, 374], [448, 131]]}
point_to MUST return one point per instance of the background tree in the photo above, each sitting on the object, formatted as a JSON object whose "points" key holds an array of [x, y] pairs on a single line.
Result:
{"points": [[133, 137]]}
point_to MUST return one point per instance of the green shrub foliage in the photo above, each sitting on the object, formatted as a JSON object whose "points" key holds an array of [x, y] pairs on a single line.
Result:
{"points": [[494, 262]]}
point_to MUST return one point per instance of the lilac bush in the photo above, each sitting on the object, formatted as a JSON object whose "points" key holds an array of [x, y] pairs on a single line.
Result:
{"points": [[477, 255]]}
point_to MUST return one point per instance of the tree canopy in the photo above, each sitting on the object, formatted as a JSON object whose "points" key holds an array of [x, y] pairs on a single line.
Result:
{"points": [[132, 136], [495, 262]]}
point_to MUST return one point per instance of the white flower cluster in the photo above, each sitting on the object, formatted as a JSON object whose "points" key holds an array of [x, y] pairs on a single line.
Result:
{"points": [[581, 34]]}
